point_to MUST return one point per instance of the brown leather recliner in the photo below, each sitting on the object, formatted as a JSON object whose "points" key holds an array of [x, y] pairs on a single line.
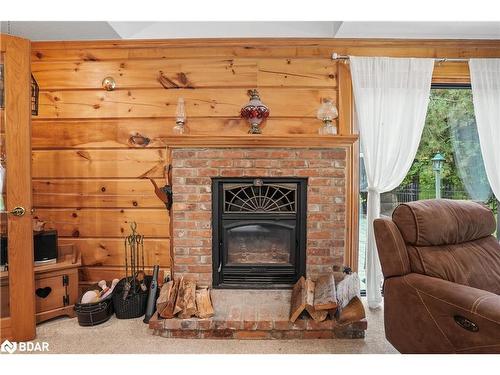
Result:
{"points": [[441, 266]]}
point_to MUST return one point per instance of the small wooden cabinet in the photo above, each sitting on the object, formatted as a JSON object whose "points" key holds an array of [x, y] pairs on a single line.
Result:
{"points": [[56, 291], [56, 285]]}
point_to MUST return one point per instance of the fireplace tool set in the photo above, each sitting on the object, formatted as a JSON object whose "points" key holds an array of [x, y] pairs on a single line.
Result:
{"points": [[134, 247], [131, 296]]}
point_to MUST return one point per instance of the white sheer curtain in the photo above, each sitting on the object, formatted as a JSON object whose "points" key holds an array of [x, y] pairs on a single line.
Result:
{"points": [[391, 97], [485, 80]]}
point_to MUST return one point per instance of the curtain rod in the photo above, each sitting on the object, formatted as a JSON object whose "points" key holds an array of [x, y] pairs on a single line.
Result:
{"points": [[336, 56]]}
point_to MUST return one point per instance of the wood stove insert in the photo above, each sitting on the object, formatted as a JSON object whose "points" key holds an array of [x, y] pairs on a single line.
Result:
{"points": [[259, 232]]}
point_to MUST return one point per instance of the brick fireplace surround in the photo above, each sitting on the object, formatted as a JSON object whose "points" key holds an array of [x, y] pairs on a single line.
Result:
{"points": [[260, 314], [193, 169]]}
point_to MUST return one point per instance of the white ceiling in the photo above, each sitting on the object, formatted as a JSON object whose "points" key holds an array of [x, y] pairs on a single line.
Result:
{"points": [[46, 30]]}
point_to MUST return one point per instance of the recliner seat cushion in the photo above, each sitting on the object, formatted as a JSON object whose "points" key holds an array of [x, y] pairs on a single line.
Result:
{"points": [[475, 263], [441, 221]]}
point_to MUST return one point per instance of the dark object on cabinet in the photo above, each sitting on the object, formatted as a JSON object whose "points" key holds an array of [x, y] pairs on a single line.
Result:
{"points": [[44, 248]]}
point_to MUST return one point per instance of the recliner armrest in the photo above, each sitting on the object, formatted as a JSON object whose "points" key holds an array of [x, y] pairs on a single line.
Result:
{"points": [[391, 248], [421, 314], [475, 301]]}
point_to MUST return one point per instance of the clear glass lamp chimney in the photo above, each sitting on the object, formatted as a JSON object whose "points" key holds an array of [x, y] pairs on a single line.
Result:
{"points": [[327, 112], [180, 117]]}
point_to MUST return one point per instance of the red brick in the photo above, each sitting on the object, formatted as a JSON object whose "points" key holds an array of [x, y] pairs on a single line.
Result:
{"points": [[282, 154], [185, 334], [252, 335], [292, 335], [219, 324], [333, 154], [282, 325], [300, 324], [324, 325], [264, 325], [172, 324], [218, 334], [315, 235], [184, 172], [293, 163], [180, 207], [220, 163], [184, 189], [178, 180], [233, 154], [200, 269], [250, 324], [187, 242], [269, 163], [198, 215], [204, 324], [308, 154], [249, 172], [187, 259], [180, 154], [209, 154], [231, 172], [196, 181], [234, 324], [189, 324], [258, 154], [192, 163], [317, 252], [321, 163], [243, 163], [200, 233], [199, 251], [207, 172]]}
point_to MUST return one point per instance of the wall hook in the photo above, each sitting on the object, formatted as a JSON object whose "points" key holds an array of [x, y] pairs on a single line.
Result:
{"points": [[109, 84]]}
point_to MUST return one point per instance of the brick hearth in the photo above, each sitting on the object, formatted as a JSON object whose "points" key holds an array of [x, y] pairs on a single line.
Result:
{"points": [[193, 169], [254, 314]]}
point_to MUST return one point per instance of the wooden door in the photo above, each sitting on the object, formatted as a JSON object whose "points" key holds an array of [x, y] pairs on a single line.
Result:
{"points": [[19, 322]]}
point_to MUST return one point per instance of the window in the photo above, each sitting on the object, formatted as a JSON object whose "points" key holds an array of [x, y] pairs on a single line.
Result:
{"points": [[450, 130]]}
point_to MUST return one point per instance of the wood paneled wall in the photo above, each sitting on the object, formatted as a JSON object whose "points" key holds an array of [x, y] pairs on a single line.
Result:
{"points": [[89, 182]]}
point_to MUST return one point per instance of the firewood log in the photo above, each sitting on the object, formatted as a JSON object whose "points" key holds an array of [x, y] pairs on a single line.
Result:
{"points": [[168, 311], [185, 305], [324, 293], [303, 299], [204, 308], [353, 312], [162, 300]]}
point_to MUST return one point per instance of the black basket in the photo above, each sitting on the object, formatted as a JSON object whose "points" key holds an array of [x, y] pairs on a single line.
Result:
{"points": [[92, 314], [134, 305]]}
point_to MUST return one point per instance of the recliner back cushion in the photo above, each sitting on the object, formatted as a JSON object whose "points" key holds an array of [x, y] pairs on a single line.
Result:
{"points": [[475, 263], [442, 221]]}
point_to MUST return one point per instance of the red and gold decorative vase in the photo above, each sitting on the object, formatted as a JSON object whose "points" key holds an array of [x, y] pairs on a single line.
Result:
{"points": [[254, 112]]}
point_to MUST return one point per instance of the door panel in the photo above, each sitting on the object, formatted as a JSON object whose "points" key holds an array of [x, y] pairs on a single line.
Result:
{"points": [[19, 320]]}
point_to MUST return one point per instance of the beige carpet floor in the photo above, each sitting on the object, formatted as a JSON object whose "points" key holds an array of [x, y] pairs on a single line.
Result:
{"points": [[133, 336]]}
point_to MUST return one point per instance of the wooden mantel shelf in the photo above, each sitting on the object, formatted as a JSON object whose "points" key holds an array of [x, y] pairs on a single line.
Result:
{"points": [[296, 141]]}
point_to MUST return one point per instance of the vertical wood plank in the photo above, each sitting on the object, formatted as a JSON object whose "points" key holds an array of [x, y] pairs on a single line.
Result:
{"points": [[18, 139], [345, 100], [346, 126]]}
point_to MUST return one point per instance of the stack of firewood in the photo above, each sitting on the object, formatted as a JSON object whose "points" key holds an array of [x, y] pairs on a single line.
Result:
{"points": [[181, 298], [319, 299]]}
